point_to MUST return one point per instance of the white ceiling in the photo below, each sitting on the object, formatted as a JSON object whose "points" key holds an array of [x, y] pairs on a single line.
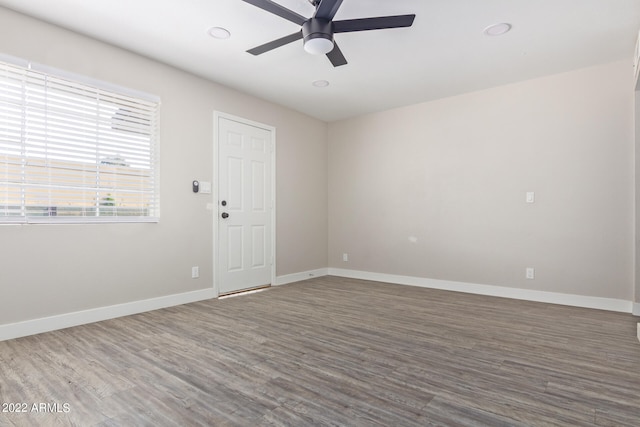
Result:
{"points": [[445, 52]]}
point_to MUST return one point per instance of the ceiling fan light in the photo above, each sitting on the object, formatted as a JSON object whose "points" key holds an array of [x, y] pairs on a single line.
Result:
{"points": [[318, 45]]}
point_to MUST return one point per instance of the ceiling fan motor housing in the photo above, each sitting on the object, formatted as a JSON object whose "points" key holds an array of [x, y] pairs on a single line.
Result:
{"points": [[316, 28], [317, 31]]}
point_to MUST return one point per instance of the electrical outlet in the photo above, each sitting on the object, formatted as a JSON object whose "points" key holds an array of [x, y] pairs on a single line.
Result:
{"points": [[530, 273], [195, 272], [345, 257]]}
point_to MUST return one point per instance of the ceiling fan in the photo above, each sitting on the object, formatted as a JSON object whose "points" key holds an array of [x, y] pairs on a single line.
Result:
{"points": [[317, 32]]}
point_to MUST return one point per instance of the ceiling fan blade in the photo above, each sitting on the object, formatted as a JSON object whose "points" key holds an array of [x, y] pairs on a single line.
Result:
{"points": [[366, 24], [276, 9], [276, 43], [336, 57], [327, 9]]}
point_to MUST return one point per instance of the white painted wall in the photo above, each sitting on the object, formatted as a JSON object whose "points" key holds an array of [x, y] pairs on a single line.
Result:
{"points": [[48, 270], [433, 191], [437, 190], [636, 309]]}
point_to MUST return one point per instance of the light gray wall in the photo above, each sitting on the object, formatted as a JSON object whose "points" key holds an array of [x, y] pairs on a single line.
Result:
{"points": [[637, 201], [53, 269], [452, 174]]}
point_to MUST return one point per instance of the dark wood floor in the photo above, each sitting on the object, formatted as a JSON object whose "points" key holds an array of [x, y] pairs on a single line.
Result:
{"points": [[333, 351]]}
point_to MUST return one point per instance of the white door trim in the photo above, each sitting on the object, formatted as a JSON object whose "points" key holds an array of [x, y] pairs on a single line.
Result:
{"points": [[217, 115]]}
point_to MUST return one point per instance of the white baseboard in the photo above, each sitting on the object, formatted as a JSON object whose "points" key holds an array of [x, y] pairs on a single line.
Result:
{"points": [[297, 277], [609, 304], [46, 324], [52, 323]]}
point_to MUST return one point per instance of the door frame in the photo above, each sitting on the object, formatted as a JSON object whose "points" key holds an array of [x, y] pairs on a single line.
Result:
{"points": [[217, 115]]}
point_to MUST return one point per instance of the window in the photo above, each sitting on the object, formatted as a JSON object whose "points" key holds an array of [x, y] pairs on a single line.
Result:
{"points": [[75, 150]]}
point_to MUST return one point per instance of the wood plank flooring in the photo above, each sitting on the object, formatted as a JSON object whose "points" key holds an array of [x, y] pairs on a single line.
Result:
{"points": [[332, 351]]}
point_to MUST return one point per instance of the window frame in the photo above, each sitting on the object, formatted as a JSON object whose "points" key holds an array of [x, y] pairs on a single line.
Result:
{"points": [[143, 190]]}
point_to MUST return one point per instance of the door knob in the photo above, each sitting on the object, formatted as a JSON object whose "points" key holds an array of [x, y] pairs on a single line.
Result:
{"points": [[225, 215]]}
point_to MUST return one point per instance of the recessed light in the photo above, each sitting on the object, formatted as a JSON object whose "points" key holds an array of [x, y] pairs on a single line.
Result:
{"points": [[320, 83], [219, 33], [498, 29]]}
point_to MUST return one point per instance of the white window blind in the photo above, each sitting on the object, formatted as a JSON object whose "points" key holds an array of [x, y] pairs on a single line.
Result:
{"points": [[75, 150]]}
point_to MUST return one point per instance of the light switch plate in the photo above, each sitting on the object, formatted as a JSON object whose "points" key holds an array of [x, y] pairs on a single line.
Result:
{"points": [[205, 187], [531, 197]]}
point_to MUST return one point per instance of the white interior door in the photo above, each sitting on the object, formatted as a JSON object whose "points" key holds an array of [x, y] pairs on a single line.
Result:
{"points": [[245, 205]]}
